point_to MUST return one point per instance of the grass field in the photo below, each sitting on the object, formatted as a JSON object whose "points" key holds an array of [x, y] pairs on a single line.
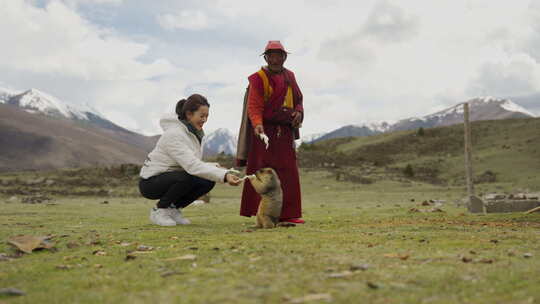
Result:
{"points": [[361, 244]]}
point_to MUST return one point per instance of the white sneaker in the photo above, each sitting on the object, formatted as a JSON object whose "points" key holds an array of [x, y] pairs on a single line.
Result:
{"points": [[176, 215], [161, 217]]}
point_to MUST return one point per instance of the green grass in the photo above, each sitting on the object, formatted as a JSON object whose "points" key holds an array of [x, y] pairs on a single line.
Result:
{"points": [[509, 148], [411, 257]]}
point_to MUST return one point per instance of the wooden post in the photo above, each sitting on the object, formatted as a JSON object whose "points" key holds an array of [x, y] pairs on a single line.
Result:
{"points": [[475, 204], [468, 165]]}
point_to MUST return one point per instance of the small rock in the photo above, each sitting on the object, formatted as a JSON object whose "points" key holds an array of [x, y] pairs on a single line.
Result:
{"points": [[11, 292], [184, 257], [64, 267], [170, 273], [372, 285], [4, 257], [342, 274], [436, 210], [356, 267], [129, 257], [144, 248], [72, 245], [320, 297], [527, 255], [486, 261]]}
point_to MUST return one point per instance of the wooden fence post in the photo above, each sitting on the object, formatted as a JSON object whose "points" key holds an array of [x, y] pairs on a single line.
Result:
{"points": [[475, 204]]}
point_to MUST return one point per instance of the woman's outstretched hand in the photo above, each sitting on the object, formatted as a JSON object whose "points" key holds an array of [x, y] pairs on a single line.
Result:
{"points": [[232, 179]]}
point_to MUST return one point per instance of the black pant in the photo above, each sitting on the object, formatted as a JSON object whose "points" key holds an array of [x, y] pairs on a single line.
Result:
{"points": [[174, 189]]}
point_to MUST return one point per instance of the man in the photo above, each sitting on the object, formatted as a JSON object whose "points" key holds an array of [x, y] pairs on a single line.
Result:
{"points": [[272, 107]]}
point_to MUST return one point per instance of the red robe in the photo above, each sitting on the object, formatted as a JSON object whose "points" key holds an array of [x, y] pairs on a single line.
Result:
{"points": [[280, 155]]}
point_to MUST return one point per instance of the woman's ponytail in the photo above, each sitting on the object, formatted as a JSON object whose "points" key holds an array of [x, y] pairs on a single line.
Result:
{"points": [[180, 109]]}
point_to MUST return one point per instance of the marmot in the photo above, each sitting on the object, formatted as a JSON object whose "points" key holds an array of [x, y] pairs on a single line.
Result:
{"points": [[266, 182]]}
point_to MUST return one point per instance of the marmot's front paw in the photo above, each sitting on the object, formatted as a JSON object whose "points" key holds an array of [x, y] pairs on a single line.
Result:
{"points": [[248, 176]]}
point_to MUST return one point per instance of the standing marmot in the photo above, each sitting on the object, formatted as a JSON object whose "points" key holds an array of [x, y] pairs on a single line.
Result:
{"points": [[266, 182]]}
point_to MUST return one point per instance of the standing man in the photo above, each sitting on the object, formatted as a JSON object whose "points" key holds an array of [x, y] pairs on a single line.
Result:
{"points": [[272, 107]]}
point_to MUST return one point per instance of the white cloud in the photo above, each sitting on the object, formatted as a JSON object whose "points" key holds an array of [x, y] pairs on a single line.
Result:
{"points": [[92, 2], [356, 61], [57, 40], [390, 23], [518, 75], [187, 20]]}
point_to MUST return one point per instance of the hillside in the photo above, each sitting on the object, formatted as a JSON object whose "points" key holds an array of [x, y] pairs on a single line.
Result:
{"points": [[32, 141], [481, 108], [506, 151]]}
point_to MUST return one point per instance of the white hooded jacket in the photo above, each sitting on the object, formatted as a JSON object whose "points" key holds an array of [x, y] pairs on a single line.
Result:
{"points": [[179, 150]]}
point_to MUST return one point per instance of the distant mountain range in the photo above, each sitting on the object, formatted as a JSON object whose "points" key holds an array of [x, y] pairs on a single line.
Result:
{"points": [[354, 130], [220, 141], [40, 131], [483, 108]]}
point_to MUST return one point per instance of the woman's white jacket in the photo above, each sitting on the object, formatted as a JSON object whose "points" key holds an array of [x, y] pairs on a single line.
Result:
{"points": [[179, 150]]}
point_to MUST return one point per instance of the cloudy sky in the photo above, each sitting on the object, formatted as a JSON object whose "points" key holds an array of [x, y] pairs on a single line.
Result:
{"points": [[357, 61]]}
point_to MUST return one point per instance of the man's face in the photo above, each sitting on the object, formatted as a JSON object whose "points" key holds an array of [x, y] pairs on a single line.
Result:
{"points": [[275, 59]]}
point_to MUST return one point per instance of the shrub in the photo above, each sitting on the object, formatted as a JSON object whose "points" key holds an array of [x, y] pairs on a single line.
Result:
{"points": [[408, 171]]}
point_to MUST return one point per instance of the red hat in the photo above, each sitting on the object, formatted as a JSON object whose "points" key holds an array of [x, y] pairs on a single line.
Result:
{"points": [[274, 45]]}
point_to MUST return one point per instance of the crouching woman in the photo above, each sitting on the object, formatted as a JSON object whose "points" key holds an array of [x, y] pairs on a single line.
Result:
{"points": [[174, 171]]}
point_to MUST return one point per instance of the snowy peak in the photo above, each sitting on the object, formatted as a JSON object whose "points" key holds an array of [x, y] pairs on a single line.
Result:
{"points": [[348, 131], [35, 100], [6, 94], [380, 127], [510, 106], [309, 138], [39, 102], [481, 108], [220, 141], [484, 104]]}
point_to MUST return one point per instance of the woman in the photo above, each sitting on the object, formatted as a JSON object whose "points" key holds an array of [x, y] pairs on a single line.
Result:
{"points": [[174, 171]]}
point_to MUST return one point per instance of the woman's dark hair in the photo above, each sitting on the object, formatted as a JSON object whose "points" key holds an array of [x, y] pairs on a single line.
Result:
{"points": [[191, 104]]}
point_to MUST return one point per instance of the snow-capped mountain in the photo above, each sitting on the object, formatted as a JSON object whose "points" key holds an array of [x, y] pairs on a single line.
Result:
{"points": [[221, 140], [38, 126], [366, 129], [308, 138], [35, 100], [348, 131], [482, 108], [380, 127], [6, 94]]}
